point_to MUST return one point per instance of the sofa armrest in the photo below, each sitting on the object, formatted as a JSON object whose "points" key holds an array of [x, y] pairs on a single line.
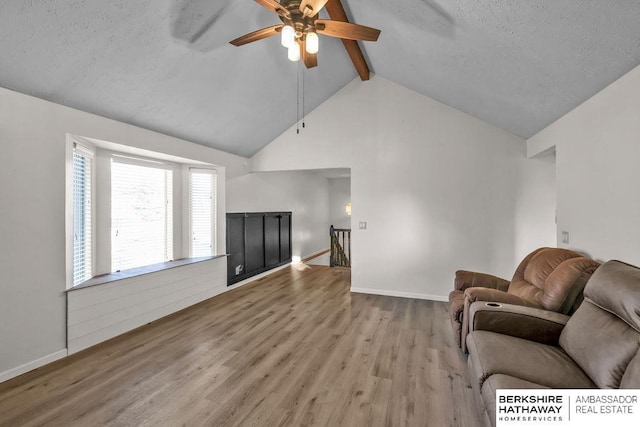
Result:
{"points": [[486, 294], [534, 324], [470, 279], [494, 295]]}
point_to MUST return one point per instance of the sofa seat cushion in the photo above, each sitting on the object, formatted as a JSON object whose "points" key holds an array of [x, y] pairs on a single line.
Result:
{"points": [[549, 366], [500, 381]]}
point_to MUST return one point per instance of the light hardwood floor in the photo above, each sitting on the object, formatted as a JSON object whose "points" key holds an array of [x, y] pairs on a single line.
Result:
{"points": [[295, 348]]}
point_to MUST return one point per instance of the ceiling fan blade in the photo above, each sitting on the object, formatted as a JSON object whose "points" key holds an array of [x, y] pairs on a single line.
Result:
{"points": [[346, 30], [336, 12], [275, 7], [311, 7], [310, 59], [257, 35]]}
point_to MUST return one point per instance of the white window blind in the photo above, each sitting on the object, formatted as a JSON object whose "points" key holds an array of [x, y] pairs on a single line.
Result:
{"points": [[141, 213], [202, 211], [82, 231]]}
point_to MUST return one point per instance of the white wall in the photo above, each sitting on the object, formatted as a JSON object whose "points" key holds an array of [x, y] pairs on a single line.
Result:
{"points": [[339, 196], [305, 194], [598, 176], [33, 136], [439, 189], [535, 220]]}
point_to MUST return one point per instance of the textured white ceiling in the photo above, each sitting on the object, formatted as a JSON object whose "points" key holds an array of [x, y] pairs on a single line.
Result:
{"points": [[517, 64], [167, 65]]}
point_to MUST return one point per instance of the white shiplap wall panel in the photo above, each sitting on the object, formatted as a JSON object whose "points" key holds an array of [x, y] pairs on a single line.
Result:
{"points": [[95, 304], [102, 312], [116, 313], [85, 341], [101, 294]]}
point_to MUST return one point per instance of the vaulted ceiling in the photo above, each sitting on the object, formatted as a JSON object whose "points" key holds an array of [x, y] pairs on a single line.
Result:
{"points": [[168, 66]]}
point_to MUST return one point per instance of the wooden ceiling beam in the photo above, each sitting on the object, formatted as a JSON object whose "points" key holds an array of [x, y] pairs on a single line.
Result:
{"points": [[336, 12]]}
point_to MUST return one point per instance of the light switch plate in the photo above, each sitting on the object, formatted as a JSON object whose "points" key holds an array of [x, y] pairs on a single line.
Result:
{"points": [[362, 225], [565, 237]]}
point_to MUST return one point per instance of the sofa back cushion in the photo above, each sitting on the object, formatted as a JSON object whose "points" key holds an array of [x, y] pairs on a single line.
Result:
{"points": [[553, 279], [603, 335]]}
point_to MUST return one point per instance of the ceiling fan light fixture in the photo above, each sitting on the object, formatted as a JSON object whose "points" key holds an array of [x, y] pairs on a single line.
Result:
{"points": [[301, 23], [294, 52], [312, 43], [288, 36]]}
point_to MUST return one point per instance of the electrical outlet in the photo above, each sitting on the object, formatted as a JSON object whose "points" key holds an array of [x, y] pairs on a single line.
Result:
{"points": [[362, 225], [565, 237]]}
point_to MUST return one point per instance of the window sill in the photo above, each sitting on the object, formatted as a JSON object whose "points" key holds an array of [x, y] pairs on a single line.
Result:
{"points": [[139, 271]]}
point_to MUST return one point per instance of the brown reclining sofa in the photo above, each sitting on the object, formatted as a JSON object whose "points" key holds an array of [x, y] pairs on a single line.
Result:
{"points": [[516, 347], [547, 278]]}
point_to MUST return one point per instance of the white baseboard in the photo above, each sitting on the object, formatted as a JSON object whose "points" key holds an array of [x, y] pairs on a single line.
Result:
{"points": [[12, 373], [399, 294]]}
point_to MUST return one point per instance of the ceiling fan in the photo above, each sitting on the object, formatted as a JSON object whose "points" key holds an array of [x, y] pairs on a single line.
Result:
{"points": [[300, 28]]}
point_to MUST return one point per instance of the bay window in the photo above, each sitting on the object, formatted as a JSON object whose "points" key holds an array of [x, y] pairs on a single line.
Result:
{"points": [[132, 211]]}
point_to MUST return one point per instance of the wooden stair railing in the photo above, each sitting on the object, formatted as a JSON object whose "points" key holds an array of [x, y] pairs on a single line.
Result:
{"points": [[340, 247]]}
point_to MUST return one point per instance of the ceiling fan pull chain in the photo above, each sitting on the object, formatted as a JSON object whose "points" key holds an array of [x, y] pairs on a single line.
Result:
{"points": [[303, 88]]}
